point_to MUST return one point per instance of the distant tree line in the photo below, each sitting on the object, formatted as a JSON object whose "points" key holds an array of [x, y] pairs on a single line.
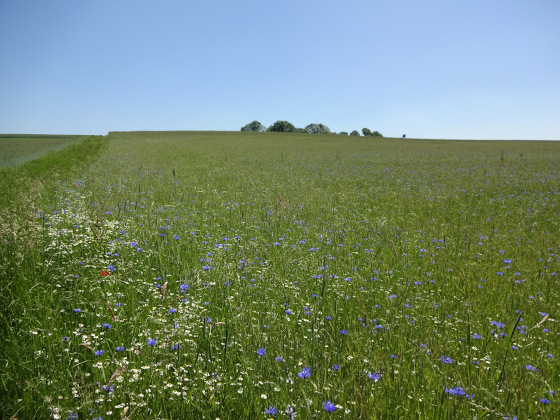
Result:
{"points": [[287, 127]]}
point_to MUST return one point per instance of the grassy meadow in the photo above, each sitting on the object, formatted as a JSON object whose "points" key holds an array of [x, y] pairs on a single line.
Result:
{"points": [[204, 275]]}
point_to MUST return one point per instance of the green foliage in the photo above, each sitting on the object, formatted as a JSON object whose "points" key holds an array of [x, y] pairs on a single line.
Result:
{"points": [[317, 129], [282, 127], [368, 132], [354, 133], [343, 133], [254, 126]]}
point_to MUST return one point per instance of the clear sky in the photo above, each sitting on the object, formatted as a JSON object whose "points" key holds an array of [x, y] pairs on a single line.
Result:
{"points": [[478, 69]]}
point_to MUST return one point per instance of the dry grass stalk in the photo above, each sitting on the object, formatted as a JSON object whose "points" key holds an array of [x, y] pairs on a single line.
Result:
{"points": [[163, 291], [110, 310]]}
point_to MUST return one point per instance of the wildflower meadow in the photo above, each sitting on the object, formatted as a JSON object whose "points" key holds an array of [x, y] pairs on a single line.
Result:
{"points": [[205, 275]]}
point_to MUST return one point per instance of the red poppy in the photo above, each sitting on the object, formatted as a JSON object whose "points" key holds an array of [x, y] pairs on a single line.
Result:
{"points": [[105, 273]]}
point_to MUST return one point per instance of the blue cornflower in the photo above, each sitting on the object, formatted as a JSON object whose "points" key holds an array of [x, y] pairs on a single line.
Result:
{"points": [[374, 376], [343, 332], [151, 341], [271, 410], [392, 296], [172, 310], [545, 401], [98, 352], [305, 373], [288, 311], [336, 367], [476, 336], [458, 390], [73, 416], [108, 388], [531, 368], [121, 348], [447, 360], [279, 358], [498, 324], [329, 406], [261, 351], [108, 326], [77, 310]]}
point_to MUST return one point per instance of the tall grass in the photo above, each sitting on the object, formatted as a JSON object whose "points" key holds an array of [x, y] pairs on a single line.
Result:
{"points": [[23, 189], [253, 275]]}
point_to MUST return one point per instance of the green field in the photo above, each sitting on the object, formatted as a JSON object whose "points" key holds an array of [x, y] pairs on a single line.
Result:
{"points": [[16, 149], [191, 275]]}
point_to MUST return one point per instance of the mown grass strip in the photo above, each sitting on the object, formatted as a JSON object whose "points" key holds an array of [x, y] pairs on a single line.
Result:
{"points": [[16, 149], [20, 181]]}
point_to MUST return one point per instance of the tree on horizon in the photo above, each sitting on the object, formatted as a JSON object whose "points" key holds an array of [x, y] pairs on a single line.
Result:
{"points": [[254, 126], [282, 127]]}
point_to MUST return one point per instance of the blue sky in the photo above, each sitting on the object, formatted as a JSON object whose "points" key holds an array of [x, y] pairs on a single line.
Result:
{"points": [[477, 69]]}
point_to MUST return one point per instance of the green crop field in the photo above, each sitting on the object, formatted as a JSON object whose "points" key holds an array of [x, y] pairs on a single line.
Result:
{"points": [[16, 149], [204, 275]]}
